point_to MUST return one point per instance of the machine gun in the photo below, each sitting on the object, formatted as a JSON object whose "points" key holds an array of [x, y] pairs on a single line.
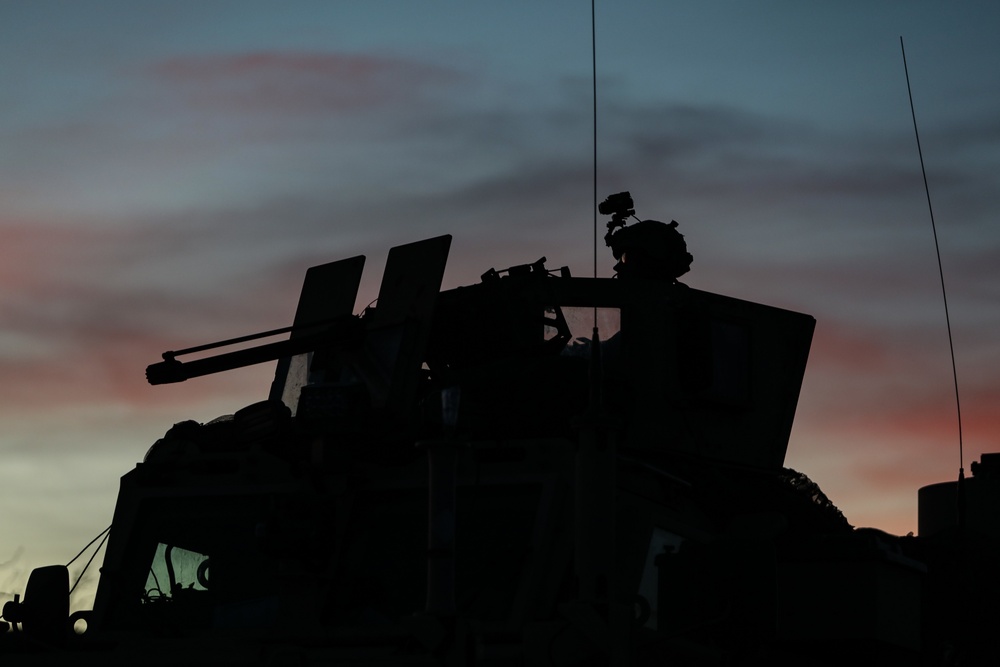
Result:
{"points": [[382, 349]]}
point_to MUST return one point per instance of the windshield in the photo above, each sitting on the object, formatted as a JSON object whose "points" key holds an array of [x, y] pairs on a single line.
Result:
{"points": [[581, 322], [174, 569]]}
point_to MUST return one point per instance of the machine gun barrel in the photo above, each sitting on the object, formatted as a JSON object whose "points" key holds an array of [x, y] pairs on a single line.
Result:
{"points": [[171, 370]]}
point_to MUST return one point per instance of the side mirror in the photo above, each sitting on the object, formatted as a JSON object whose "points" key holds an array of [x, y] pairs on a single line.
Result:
{"points": [[44, 612]]}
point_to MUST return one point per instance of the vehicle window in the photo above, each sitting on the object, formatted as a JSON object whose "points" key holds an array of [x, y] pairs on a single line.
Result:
{"points": [[581, 326], [174, 569]]}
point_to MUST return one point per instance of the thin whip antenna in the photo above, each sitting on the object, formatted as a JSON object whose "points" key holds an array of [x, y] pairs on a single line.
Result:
{"points": [[937, 249], [595, 340], [593, 69]]}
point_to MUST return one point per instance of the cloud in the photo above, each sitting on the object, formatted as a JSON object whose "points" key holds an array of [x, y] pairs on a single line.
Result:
{"points": [[884, 456], [975, 133], [12, 574], [786, 213], [848, 350], [933, 419], [79, 327], [300, 82]]}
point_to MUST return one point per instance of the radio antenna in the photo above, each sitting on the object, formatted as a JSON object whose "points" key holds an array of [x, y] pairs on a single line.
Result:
{"points": [[593, 70], [595, 339], [937, 248]]}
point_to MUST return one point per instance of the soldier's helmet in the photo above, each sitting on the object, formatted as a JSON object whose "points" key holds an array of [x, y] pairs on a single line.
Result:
{"points": [[650, 249]]}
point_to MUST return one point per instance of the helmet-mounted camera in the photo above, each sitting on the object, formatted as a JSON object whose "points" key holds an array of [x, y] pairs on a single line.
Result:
{"points": [[618, 206]]}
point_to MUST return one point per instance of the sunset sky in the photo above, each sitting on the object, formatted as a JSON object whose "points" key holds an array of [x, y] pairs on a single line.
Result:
{"points": [[169, 170]]}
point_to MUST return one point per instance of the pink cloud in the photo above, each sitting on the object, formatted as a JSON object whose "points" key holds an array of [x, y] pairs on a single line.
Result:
{"points": [[299, 82], [36, 255], [74, 331], [935, 422], [111, 370], [898, 445], [846, 350]]}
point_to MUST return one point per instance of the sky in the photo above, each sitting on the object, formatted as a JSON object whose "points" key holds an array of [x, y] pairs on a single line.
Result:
{"points": [[169, 170]]}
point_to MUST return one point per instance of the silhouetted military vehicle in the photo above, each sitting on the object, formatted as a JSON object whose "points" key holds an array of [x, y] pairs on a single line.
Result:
{"points": [[537, 469]]}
